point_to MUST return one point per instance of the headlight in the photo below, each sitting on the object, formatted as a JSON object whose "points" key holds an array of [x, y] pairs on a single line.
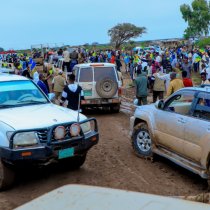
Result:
{"points": [[60, 132], [85, 127], [75, 129], [25, 139]]}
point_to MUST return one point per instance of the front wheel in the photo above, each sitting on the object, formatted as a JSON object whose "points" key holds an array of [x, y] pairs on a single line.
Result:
{"points": [[142, 141], [7, 176], [77, 161]]}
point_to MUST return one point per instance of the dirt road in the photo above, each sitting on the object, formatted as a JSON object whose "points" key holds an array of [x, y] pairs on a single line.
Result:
{"points": [[111, 163]]}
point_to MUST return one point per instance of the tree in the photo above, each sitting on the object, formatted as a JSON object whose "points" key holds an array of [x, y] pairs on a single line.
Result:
{"points": [[122, 33], [1, 49], [95, 43], [197, 17]]}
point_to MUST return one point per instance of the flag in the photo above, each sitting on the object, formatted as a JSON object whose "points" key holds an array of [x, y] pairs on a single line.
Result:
{"points": [[33, 64], [30, 61]]}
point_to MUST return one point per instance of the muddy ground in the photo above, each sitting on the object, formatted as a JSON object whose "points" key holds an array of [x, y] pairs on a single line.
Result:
{"points": [[111, 163]]}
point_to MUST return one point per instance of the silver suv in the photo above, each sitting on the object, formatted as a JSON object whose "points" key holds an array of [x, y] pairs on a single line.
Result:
{"points": [[177, 129], [101, 85]]}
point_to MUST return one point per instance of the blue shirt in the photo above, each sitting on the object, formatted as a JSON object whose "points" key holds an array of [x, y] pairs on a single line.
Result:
{"points": [[42, 86]]}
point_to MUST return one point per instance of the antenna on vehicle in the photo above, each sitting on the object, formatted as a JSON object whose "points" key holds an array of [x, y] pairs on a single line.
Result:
{"points": [[78, 108]]}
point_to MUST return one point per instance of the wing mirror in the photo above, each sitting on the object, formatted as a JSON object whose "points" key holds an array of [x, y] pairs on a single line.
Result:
{"points": [[51, 96], [135, 102], [159, 104]]}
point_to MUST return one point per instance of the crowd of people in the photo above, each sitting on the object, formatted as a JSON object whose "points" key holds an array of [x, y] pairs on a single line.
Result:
{"points": [[160, 72], [167, 71]]}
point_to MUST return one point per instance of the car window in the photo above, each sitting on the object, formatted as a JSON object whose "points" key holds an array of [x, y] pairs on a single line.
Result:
{"points": [[76, 72], [86, 74], [202, 108], [104, 72], [181, 103]]}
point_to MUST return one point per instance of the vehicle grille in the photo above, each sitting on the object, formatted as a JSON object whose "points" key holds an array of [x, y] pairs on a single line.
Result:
{"points": [[42, 135]]}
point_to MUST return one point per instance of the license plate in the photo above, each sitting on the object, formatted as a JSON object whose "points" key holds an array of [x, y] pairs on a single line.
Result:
{"points": [[87, 92], [65, 153]]}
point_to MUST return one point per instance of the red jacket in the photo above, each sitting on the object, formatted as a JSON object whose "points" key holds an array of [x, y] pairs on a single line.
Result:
{"points": [[187, 82], [112, 59]]}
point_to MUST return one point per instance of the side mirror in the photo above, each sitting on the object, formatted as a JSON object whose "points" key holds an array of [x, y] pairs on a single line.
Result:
{"points": [[51, 96], [135, 102], [159, 104]]}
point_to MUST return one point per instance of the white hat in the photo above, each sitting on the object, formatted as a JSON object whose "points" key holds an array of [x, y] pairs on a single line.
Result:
{"points": [[60, 72]]}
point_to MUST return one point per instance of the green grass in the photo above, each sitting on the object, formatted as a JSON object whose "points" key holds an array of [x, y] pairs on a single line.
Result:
{"points": [[196, 78]]}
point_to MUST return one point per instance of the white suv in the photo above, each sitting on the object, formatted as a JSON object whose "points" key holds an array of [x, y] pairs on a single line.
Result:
{"points": [[35, 131], [100, 83]]}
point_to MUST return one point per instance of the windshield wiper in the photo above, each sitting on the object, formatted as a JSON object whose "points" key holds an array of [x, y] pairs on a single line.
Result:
{"points": [[6, 105], [31, 102]]}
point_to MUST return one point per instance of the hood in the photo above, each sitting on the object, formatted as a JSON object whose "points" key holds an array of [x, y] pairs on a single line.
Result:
{"points": [[146, 108], [37, 116]]}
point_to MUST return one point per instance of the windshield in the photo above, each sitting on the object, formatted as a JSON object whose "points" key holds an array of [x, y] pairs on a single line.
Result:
{"points": [[20, 93]]}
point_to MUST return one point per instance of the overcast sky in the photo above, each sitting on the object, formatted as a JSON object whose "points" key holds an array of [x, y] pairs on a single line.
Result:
{"points": [[28, 22]]}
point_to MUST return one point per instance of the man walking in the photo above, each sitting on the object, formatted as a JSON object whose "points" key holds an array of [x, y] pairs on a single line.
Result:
{"points": [[141, 87], [74, 59], [186, 67], [41, 84], [175, 84], [186, 81], [159, 86], [66, 60], [58, 84], [72, 92]]}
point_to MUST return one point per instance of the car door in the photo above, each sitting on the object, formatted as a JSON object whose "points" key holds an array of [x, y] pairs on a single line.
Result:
{"points": [[197, 128], [170, 121], [85, 80]]}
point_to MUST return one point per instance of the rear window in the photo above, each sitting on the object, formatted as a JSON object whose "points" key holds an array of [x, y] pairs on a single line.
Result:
{"points": [[86, 75], [104, 72]]}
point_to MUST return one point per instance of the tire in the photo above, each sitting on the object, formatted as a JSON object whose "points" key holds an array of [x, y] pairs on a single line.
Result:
{"points": [[115, 108], [106, 88], [208, 180], [7, 176], [78, 161], [142, 141], [74, 162]]}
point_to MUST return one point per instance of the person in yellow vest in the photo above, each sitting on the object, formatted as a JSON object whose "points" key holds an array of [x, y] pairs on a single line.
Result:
{"points": [[175, 84]]}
